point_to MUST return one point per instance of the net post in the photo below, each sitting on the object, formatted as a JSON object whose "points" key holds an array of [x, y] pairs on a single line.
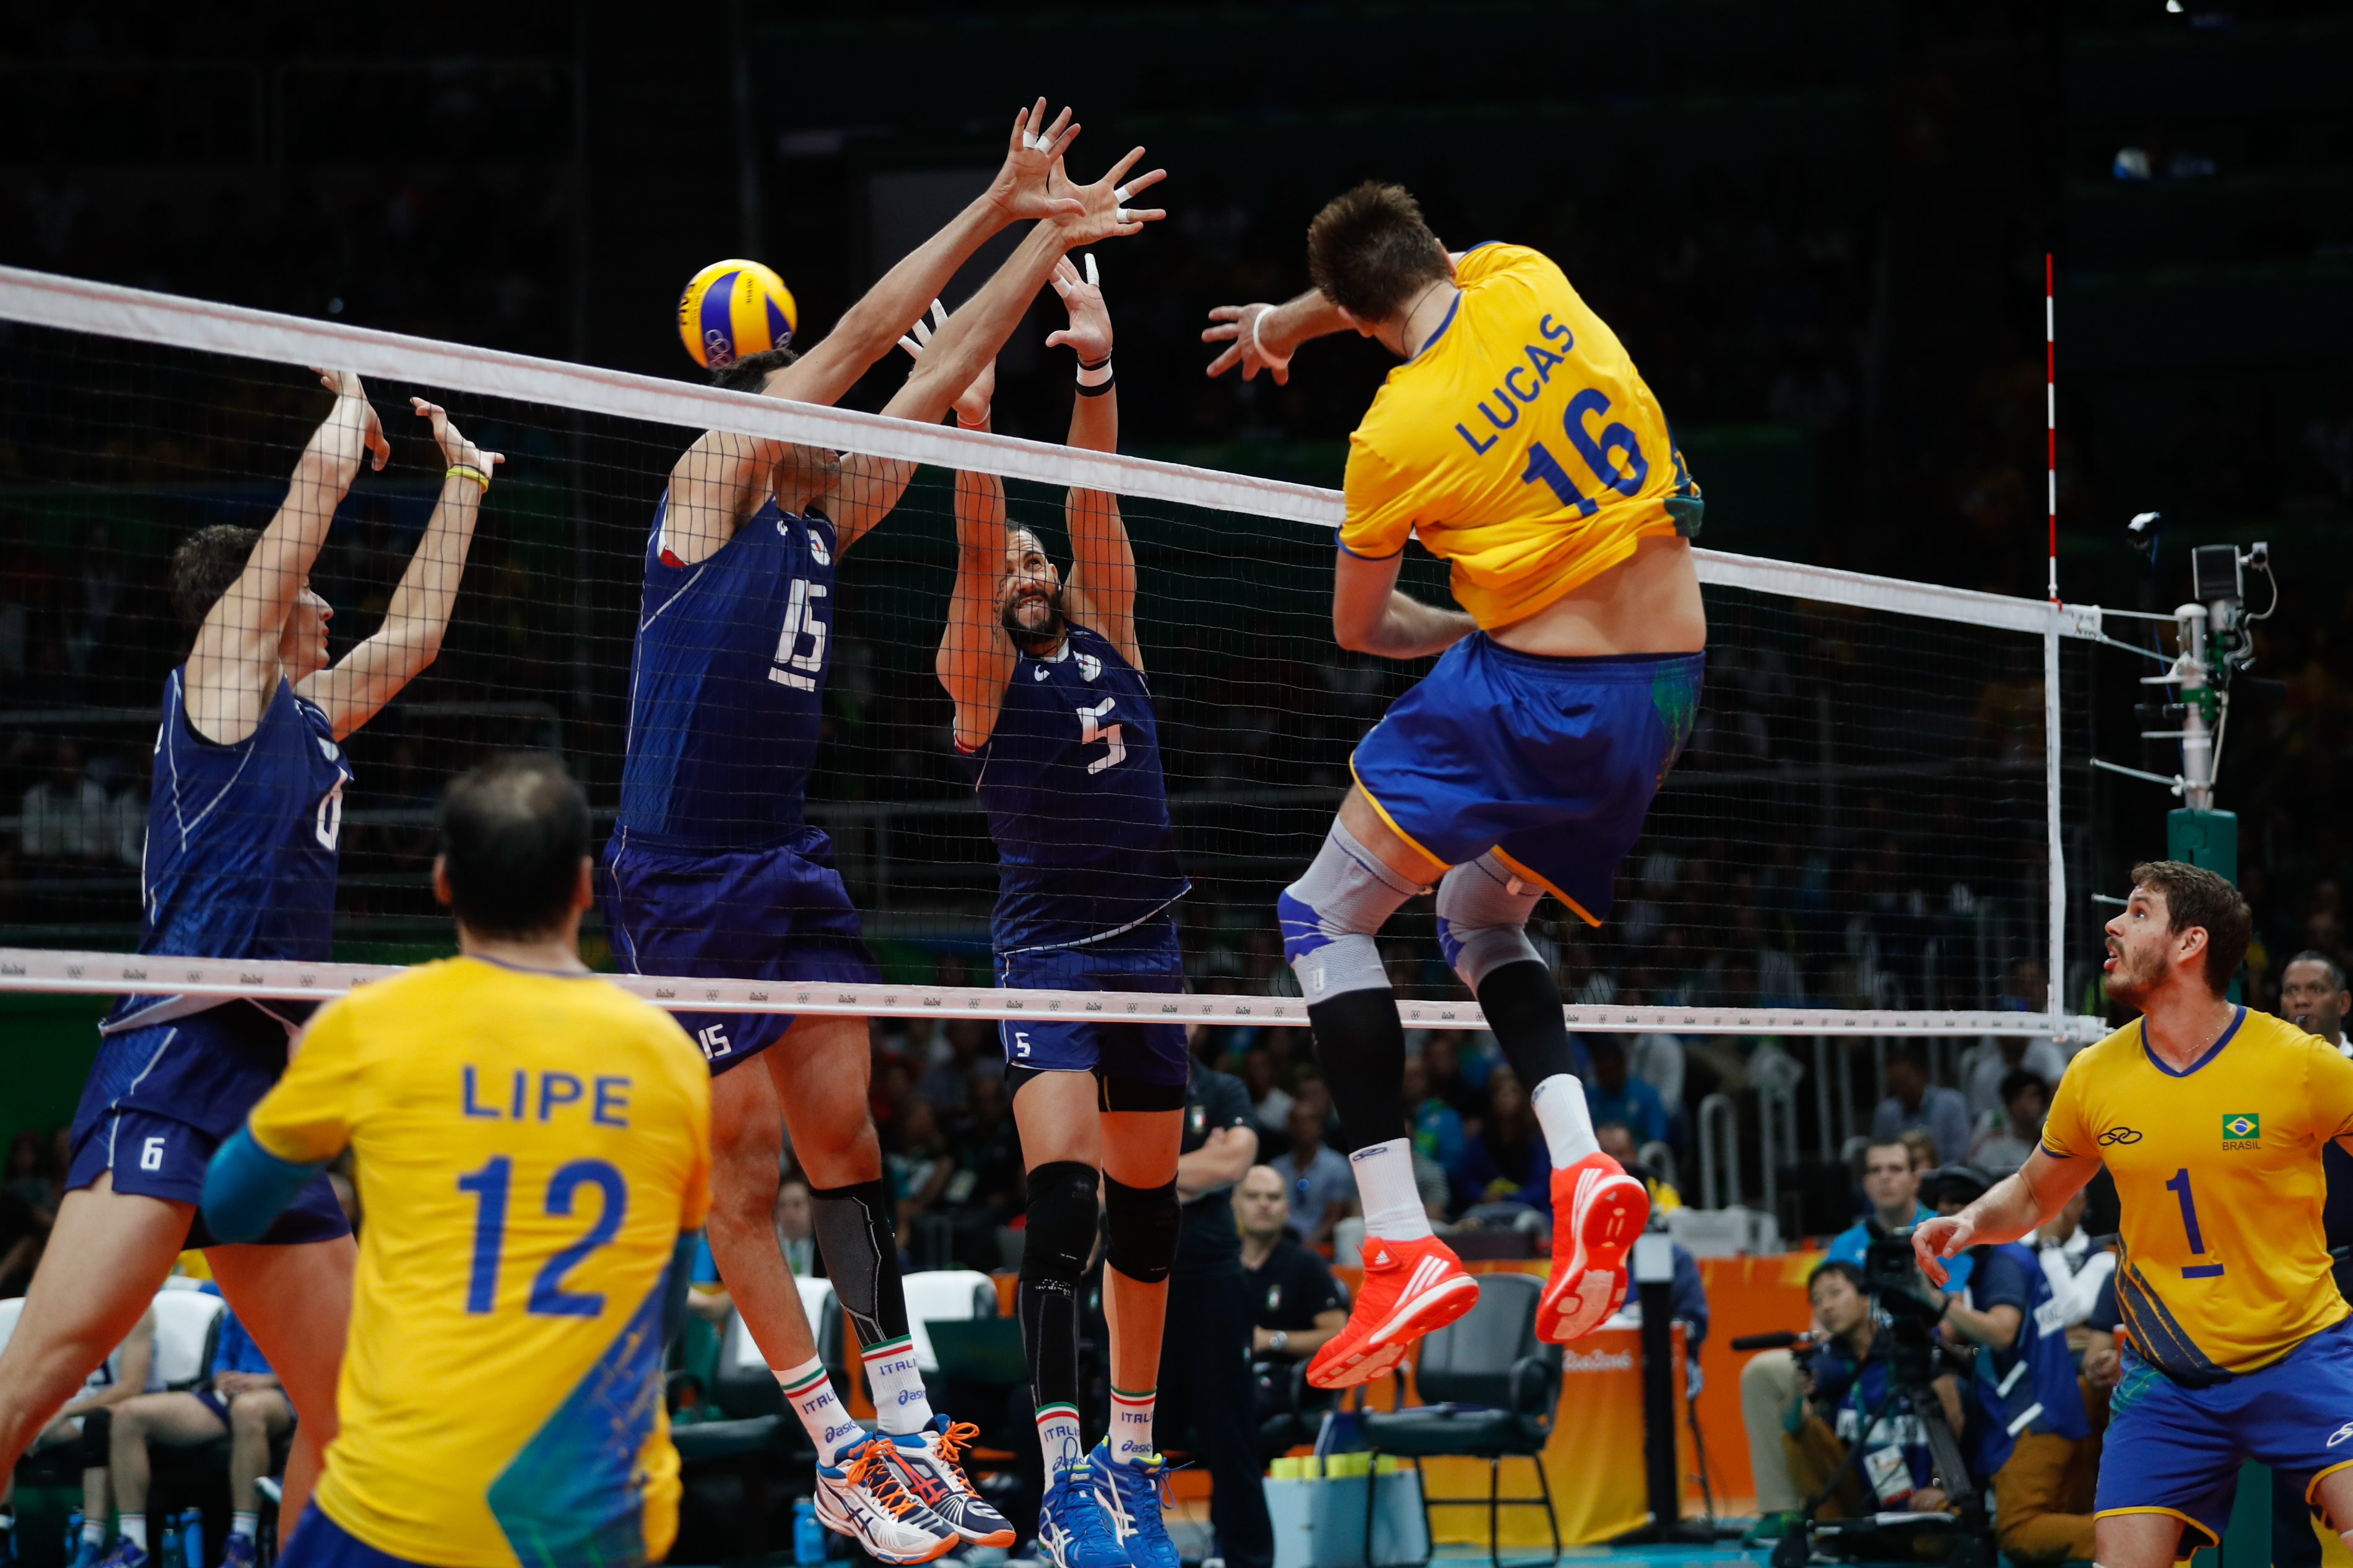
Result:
{"points": [[2056, 957], [2051, 412]]}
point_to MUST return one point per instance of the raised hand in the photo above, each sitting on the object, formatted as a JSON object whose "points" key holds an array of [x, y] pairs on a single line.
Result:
{"points": [[1103, 209], [1023, 187], [345, 384], [1934, 1240], [972, 403], [1241, 328], [1090, 329], [455, 447]]}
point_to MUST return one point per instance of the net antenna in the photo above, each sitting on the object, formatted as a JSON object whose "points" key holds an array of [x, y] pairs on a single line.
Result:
{"points": [[1842, 708]]}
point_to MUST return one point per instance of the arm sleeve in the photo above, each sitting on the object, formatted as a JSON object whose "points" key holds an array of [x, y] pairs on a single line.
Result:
{"points": [[2063, 1133], [246, 1187]]}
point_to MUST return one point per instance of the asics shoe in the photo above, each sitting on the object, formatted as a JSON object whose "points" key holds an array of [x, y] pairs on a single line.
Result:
{"points": [[85, 1555], [1131, 1496], [1597, 1211], [237, 1551], [930, 1463], [861, 1496], [1073, 1532], [123, 1554], [1411, 1287]]}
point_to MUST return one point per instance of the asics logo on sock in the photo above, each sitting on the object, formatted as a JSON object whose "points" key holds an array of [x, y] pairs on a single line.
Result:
{"points": [[834, 1433], [909, 1396]]}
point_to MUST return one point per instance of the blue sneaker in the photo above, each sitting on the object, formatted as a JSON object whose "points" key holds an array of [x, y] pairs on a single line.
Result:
{"points": [[1073, 1531], [123, 1554], [238, 1551], [85, 1555], [1131, 1497]]}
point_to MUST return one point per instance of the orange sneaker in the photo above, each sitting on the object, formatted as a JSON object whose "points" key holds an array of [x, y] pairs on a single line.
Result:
{"points": [[1597, 1211], [1411, 1287]]}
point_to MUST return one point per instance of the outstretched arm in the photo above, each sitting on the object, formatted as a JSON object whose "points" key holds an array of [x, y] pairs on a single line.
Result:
{"points": [[352, 690], [1101, 588], [721, 478], [1264, 337], [1370, 615], [2015, 1206], [233, 669]]}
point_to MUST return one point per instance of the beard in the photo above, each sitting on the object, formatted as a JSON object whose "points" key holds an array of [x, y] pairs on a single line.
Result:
{"points": [[1036, 639], [2129, 985]]}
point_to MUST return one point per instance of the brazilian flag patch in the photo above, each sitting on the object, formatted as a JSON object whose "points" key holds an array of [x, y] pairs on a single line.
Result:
{"points": [[2242, 1128]]}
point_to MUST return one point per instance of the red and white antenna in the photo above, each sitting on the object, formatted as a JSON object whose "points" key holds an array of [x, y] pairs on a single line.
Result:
{"points": [[2051, 413]]}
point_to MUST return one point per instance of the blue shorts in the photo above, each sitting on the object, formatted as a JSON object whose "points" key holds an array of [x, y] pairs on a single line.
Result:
{"points": [[161, 1098], [779, 913], [1146, 959], [320, 1542], [2177, 1450], [1551, 763]]}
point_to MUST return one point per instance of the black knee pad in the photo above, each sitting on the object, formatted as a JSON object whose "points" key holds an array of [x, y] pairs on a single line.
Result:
{"points": [[1142, 1241], [1061, 1232]]}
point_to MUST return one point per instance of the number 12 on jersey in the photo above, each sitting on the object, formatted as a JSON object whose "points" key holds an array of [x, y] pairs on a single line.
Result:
{"points": [[549, 1298]]}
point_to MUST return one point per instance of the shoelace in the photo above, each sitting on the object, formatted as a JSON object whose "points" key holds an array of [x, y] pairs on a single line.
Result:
{"points": [[874, 1474], [1158, 1472], [958, 1436], [1085, 1507]]}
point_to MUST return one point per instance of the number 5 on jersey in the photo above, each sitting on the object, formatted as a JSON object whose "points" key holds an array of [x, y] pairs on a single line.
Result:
{"points": [[1092, 729], [793, 666]]}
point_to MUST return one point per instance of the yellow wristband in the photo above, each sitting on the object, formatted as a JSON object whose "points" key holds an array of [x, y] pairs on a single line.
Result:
{"points": [[467, 471]]}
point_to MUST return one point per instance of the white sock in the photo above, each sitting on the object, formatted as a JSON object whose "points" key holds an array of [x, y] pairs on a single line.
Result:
{"points": [[93, 1531], [1568, 1125], [1130, 1426], [900, 1405], [242, 1524], [1385, 1182], [810, 1394], [1059, 1437], [134, 1530]]}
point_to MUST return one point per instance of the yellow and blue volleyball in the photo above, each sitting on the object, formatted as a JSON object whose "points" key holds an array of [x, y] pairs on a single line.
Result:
{"points": [[733, 309]]}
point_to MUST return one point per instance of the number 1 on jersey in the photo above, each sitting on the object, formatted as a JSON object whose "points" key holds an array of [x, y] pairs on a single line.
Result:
{"points": [[2179, 1187]]}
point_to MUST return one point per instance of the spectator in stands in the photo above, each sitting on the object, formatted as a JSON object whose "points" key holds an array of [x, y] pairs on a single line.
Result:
{"points": [[28, 1178], [63, 818], [1913, 1102], [988, 1150], [1441, 1065], [2003, 1144], [1617, 1141], [1614, 1094], [1295, 1303], [1270, 1103], [796, 1227], [1920, 1144], [1984, 1065], [1658, 1058], [1321, 1186], [2314, 998], [240, 1399], [1505, 1160], [86, 1421], [964, 1041], [27, 1208], [1437, 1128], [920, 1164]]}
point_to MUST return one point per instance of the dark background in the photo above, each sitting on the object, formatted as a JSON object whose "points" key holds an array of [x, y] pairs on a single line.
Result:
{"points": [[1819, 227]]}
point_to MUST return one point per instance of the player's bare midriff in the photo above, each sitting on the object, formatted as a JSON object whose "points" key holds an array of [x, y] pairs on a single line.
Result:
{"points": [[1649, 603]]}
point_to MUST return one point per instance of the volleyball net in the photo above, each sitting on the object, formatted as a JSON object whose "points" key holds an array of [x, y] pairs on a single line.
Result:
{"points": [[1868, 832]]}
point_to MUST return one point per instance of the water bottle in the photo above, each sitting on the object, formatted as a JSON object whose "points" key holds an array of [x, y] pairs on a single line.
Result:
{"points": [[167, 1547], [192, 1537], [808, 1535]]}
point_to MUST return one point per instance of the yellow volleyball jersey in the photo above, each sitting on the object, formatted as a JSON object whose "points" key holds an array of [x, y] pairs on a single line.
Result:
{"points": [[529, 1146], [1520, 443], [2225, 1268]]}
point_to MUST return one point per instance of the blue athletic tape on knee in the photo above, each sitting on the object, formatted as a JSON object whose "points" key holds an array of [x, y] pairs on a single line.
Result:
{"points": [[1328, 917], [1140, 1238], [1483, 916]]}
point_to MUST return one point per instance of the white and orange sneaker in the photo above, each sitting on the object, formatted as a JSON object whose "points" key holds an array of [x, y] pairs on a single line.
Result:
{"points": [[1597, 1211], [1411, 1287]]}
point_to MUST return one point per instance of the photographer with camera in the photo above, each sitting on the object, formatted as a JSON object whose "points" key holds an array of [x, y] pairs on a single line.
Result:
{"points": [[1768, 1384], [1844, 1383]]}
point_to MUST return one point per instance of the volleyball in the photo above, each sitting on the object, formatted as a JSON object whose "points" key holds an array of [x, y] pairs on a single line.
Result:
{"points": [[732, 309]]}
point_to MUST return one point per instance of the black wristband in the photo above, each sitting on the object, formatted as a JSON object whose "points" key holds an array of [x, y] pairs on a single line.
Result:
{"points": [[1099, 388]]}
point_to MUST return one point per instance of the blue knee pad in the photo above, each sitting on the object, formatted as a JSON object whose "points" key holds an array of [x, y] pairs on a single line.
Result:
{"points": [[1329, 915], [1482, 917]]}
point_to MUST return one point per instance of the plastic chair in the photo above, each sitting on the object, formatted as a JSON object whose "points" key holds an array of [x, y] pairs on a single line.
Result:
{"points": [[1498, 1386], [944, 1295]]}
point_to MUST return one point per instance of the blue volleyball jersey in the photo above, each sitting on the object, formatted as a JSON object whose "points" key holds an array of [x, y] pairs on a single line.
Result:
{"points": [[1071, 781], [727, 685], [241, 843]]}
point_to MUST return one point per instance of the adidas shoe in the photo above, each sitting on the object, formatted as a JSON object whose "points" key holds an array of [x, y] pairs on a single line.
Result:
{"points": [[1131, 1497], [1411, 1287], [862, 1497], [1073, 1532], [1597, 1211], [930, 1463]]}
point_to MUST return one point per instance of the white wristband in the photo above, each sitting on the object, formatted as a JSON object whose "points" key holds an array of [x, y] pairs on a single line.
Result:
{"points": [[1258, 344], [976, 424], [1096, 375]]}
